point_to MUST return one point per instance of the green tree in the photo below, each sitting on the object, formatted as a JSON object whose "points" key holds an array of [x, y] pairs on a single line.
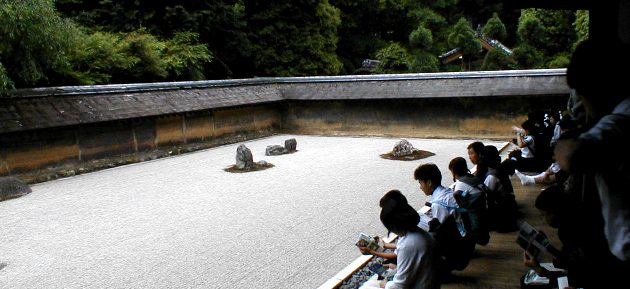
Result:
{"points": [[423, 61], [293, 39], [149, 59], [530, 28], [581, 26], [494, 28], [558, 31], [551, 32], [367, 26], [185, 57], [393, 59], [5, 82], [463, 36], [559, 61], [35, 41], [495, 60], [98, 57], [421, 38], [528, 56], [529, 33], [104, 57], [220, 24], [421, 42], [431, 24]]}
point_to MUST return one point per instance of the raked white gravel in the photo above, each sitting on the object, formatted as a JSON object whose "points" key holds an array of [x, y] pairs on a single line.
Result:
{"points": [[183, 222]]}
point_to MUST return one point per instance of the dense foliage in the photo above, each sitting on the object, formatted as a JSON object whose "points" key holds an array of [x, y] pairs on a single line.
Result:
{"points": [[69, 42]]}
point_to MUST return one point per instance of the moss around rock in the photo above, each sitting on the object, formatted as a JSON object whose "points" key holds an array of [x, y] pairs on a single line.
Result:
{"points": [[258, 166], [415, 155]]}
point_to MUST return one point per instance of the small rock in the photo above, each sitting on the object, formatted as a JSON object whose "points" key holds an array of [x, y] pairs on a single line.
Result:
{"points": [[290, 145], [275, 150], [12, 187]]}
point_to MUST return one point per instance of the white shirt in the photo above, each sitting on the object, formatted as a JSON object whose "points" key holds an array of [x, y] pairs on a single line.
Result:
{"points": [[416, 262], [525, 151], [464, 187], [493, 183], [557, 131], [443, 203]]}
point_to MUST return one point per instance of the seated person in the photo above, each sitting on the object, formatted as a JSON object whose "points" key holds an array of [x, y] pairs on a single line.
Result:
{"points": [[417, 258], [390, 198], [584, 254], [550, 175], [526, 157], [470, 194], [454, 249], [474, 150], [502, 208]]}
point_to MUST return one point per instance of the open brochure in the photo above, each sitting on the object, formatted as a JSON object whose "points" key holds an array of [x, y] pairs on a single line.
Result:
{"points": [[534, 242], [372, 243], [532, 278], [382, 271], [425, 218]]}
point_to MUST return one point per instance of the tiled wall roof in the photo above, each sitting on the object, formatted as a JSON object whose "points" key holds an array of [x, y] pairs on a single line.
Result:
{"points": [[38, 108]]}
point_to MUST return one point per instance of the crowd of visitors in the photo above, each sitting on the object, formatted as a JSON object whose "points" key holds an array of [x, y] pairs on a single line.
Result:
{"points": [[580, 157]]}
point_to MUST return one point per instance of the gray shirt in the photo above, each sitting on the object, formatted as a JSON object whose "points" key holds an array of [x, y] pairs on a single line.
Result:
{"points": [[609, 139]]}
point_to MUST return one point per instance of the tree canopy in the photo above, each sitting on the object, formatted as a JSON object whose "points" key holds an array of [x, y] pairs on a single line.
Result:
{"points": [[67, 42]]}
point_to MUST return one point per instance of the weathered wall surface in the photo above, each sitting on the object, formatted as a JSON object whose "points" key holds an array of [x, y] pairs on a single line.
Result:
{"points": [[480, 117], [84, 145], [78, 129]]}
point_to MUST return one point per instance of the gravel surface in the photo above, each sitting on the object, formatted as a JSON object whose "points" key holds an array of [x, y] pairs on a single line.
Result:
{"points": [[183, 222]]}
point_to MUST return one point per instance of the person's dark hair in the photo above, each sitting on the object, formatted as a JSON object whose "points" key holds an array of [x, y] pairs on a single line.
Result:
{"points": [[568, 123], [571, 134], [551, 199], [476, 147], [490, 156], [529, 125], [458, 166], [393, 197], [400, 218], [589, 59], [428, 172], [555, 114]]}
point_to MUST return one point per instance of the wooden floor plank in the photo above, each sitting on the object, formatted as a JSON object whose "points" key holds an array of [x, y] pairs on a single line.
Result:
{"points": [[499, 264]]}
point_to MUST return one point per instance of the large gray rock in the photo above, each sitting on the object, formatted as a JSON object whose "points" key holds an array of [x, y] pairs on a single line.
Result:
{"points": [[403, 148], [290, 145], [244, 158], [11, 187], [275, 150]]}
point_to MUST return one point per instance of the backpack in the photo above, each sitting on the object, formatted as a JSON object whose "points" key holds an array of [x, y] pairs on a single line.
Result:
{"points": [[471, 215]]}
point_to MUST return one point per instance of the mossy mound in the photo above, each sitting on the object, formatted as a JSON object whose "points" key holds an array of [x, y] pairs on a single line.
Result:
{"points": [[253, 168], [415, 155]]}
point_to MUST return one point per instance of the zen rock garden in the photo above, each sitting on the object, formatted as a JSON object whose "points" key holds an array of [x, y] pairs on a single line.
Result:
{"points": [[245, 160], [404, 151]]}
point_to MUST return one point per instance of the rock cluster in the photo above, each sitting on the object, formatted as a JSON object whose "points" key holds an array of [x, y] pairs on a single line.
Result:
{"points": [[290, 146]]}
